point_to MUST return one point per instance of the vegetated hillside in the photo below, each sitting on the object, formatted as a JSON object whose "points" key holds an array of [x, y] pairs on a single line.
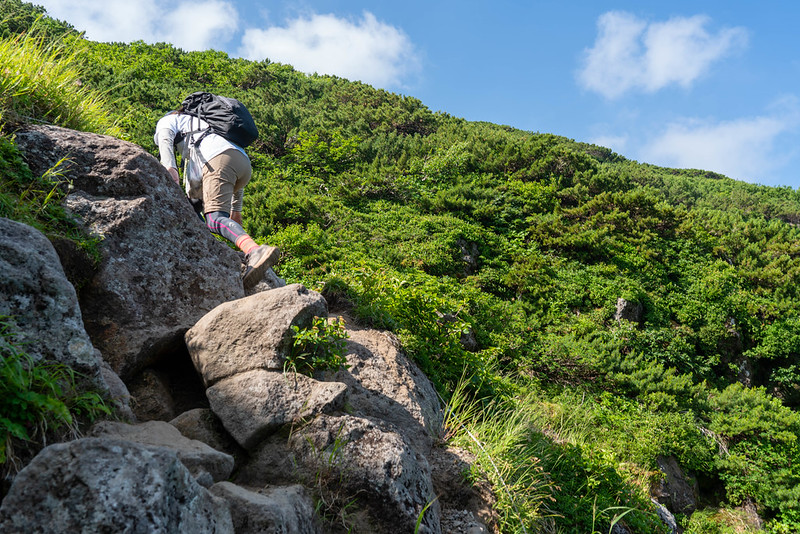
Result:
{"points": [[498, 257]]}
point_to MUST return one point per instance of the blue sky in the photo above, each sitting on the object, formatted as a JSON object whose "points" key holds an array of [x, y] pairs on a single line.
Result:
{"points": [[712, 85]]}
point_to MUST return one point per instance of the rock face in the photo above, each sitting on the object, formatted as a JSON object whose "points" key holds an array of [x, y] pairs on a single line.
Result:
{"points": [[104, 485], [251, 333], [254, 404], [161, 269], [206, 464], [677, 491], [41, 303], [270, 510]]}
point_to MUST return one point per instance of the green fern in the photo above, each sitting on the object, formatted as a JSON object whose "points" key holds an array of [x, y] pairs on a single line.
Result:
{"points": [[37, 396]]}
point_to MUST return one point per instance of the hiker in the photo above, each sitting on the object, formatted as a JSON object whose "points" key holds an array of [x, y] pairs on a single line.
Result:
{"points": [[225, 171]]}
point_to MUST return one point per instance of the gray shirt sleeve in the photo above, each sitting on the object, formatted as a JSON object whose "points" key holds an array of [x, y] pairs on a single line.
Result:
{"points": [[166, 148]]}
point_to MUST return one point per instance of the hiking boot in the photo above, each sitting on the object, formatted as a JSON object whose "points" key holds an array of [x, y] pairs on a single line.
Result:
{"points": [[258, 261]]}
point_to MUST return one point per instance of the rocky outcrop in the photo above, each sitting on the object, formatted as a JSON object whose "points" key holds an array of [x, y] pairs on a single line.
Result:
{"points": [[375, 453], [161, 269], [41, 304], [676, 490], [105, 485], [629, 310]]}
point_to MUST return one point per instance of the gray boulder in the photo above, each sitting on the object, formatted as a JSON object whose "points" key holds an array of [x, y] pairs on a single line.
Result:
{"points": [[103, 485], [251, 333], [117, 390], [205, 463], [254, 404], [41, 303], [384, 384], [161, 269], [629, 310], [277, 510], [370, 461], [201, 424], [676, 490]]}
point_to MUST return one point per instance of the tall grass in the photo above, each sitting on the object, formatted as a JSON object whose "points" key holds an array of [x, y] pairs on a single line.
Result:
{"points": [[553, 466], [498, 436], [40, 82]]}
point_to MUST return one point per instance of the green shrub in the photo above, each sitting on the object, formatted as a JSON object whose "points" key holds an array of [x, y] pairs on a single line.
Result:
{"points": [[761, 460], [38, 397], [319, 347], [721, 521]]}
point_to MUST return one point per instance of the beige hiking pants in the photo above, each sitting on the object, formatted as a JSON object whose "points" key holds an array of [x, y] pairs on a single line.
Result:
{"points": [[224, 175]]}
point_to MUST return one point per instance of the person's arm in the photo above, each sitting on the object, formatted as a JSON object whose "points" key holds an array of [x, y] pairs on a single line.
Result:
{"points": [[166, 149], [174, 173]]}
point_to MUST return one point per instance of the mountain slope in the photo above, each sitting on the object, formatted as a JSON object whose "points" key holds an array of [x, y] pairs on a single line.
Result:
{"points": [[500, 257]]}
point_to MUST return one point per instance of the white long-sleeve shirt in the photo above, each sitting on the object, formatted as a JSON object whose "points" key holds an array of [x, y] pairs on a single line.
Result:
{"points": [[212, 145]]}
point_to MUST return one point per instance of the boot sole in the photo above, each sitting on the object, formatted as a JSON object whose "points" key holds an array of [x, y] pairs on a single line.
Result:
{"points": [[256, 272]]}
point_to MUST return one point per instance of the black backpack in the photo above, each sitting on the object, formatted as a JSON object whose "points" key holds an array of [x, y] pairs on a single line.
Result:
{"points": [[225, 116]]}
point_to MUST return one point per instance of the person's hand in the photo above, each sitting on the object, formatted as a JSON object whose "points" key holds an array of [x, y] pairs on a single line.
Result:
{"points": [[236, 216], [174, 173]]}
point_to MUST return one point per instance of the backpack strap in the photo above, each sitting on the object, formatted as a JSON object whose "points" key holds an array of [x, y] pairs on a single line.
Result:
{"points": [[180, 136]]}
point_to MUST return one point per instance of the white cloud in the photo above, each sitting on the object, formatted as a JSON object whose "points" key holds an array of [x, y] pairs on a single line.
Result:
{"points": [[617, 143], [365, 50], [631, 54], [203, 25], [190, 25], [744, 149]]}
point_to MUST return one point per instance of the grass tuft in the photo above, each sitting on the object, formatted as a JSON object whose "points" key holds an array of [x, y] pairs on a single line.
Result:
{"points": [[41, 83], [37, 399]]}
